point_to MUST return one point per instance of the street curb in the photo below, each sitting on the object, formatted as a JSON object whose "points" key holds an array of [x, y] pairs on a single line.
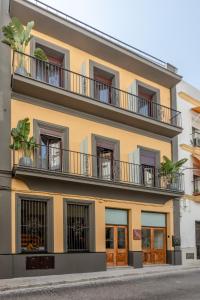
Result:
{"points": [[94, 281]]}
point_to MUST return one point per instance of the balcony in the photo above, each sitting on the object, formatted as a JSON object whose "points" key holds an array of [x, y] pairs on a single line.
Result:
{"points": [[57, 24], [53, 83], [65, 165]]}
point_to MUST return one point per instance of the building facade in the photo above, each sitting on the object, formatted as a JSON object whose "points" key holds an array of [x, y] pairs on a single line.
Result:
{"points": [[103, 116], [188, 101]]}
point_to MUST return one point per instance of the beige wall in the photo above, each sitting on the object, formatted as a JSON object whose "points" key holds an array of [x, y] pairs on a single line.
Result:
{"points": [[79, 57], [79, 128], [101, 204]]}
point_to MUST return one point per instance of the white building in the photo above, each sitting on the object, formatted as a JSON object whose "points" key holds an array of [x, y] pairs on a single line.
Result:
{"points": [[188, 102]]}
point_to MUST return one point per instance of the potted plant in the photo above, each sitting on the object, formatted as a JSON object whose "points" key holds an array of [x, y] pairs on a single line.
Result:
{"points": [[169, 171], [22, 142], [18, 37]]}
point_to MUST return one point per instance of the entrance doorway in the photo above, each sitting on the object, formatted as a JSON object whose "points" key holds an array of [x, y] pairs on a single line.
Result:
{"points": [[116, 245], [154, 245]]}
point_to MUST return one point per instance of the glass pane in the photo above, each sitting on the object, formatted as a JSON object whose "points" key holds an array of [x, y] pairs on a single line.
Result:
{"points": [[33, 225], [146, 238], [116, 216], [158, 239], [77, 227], [110, 238], [55, 156], [121, 238], [153, 219]]}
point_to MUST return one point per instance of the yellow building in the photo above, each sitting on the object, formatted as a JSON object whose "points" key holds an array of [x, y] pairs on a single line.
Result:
{"points": [[103, 114]]}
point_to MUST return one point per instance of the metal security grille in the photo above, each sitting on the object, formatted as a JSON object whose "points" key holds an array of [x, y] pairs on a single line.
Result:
{"points": [[33, 226], [77, 228]]}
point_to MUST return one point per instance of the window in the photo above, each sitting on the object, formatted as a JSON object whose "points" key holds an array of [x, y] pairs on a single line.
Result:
{"points": [[33, 226], [147, 97], [104, 163], [51, 152], [196, 184], [51, 71], [53, 140], [106, 157], [103, 85], [148, 160], [77, 227]]}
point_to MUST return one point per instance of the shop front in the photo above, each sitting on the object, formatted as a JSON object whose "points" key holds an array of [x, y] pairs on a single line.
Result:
{"points": [[154, 241], [116, 237]]}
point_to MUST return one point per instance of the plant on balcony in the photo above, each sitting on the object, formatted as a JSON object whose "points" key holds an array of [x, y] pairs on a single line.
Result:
{"points": [[169, 171], [18, 37], [22, 142], [40, 54]]}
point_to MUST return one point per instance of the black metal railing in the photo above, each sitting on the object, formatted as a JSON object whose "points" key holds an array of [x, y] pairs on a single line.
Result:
{"points": [[66, 162], [57, 76], [103, 35], [196, 184]]}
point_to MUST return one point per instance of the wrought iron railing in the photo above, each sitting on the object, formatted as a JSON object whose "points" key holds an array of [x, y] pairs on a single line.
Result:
{"points": [[66, 162], [57, 76], [103, 35]]}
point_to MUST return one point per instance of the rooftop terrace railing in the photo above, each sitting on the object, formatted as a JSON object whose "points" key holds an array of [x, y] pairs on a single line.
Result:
{"points": [[66, 162], [103, 35], [59, 77]]}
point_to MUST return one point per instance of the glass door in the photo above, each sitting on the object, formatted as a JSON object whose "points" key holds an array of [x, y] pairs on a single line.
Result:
{"points": [[105, 163], [116, 245], [102, 89], [154, 245], [51, 153]]}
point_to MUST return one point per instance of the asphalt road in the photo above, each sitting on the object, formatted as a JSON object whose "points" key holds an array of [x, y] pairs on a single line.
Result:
{"points": [[174, 287]]}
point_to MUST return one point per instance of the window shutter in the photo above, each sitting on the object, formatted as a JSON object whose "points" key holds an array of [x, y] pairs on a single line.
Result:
{"points": [[134, 166], [84, 157], [83, 87], [132, 104]]}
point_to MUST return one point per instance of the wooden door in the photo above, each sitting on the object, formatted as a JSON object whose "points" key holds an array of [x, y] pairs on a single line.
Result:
{"points": [[154, 245], [116, 245]]}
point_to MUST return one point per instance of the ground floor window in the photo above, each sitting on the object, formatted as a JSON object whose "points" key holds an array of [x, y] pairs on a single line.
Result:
{"points": [[77, 227], [33, 226]]}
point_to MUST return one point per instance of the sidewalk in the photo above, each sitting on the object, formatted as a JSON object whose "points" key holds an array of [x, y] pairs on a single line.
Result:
{"points": [[25, 284]]}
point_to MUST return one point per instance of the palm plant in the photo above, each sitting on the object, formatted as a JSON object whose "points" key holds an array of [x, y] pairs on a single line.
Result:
{"points": [[170, 169], [18, 37], [22, 141]]}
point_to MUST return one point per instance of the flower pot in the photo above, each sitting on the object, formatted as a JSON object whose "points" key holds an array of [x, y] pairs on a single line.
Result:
{"points": [[26, 161]]}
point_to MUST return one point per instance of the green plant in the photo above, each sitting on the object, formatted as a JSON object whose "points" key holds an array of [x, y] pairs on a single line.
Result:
{"points": [[21, 139], [170, 169], [16, 35], [40, 54]]}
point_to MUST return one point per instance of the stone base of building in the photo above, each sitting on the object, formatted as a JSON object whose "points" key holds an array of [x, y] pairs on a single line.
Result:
{"points": [[189, 255], [135, 259], [174, 257], [21, 265]]}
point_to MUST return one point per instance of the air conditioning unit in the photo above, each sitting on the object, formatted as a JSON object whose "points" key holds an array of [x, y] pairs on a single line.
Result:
{"points": [[196, 141]]}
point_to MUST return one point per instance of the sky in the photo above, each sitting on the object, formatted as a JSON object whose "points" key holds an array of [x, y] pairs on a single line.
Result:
{"points": [[167, 29]]}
